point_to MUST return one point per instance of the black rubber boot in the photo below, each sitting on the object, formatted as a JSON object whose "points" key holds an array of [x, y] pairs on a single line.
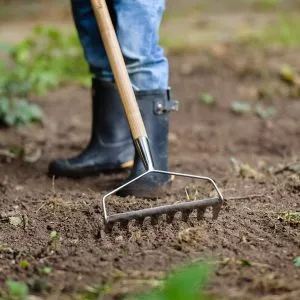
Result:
{"points": [[110, 147], [155, 107]]}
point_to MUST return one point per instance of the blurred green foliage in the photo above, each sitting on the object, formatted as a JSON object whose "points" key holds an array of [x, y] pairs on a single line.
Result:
{"points": [[41, 62], [17, 111], [264, 4], [283, 32], [15, 291], [185, 284]]}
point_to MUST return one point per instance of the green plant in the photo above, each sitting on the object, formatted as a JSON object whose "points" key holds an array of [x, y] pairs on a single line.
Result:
{"points": [[207, 99], [41, 62], [24, 264], [240, 107], [185, 284], [45, 270], [297, 262], [14, 111], [16, 290], [47, 59], [53, 235], [284, 32], [292, 218]]}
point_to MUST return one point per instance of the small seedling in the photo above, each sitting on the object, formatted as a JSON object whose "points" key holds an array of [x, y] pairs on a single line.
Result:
{"points": [[45, 270], [207, 99], [24, 264], [54, 243], [265, 113], [17, 290], [53, 235], [296, 262], [292, 218], [240, 107]]}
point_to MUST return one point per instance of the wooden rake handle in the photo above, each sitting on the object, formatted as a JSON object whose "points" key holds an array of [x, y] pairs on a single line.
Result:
{"points": [[119, 70]]}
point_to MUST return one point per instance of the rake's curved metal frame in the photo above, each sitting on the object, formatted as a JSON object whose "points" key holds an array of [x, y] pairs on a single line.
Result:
{"points": [[153, 211], [143, 148]]}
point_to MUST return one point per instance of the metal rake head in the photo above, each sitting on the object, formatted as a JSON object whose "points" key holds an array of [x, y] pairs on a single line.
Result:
{"points": [[186, 208]]}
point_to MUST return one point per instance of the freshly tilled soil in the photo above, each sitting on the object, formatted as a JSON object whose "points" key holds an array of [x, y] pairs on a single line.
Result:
{"points": [[251, 247]]}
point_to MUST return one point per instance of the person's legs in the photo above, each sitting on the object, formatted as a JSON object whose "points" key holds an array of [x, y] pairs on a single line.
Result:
{"points": [[137, 25], [110, 147]]}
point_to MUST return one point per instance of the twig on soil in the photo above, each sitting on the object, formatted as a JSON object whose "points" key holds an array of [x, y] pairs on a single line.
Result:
{"points": [[245, 197], [40, 207], [286, 167]]}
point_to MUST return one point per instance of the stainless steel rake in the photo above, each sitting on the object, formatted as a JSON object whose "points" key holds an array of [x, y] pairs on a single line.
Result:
{"points": [[139, 134]]}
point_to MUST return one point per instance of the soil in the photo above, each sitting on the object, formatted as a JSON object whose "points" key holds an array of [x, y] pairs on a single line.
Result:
{"points": [[253, 248]]}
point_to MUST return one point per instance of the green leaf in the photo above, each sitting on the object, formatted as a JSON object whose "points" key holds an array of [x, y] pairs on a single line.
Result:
{"points": [[265, 113], [17, 290], [240, 107], [24, 264], [41, 62], [185, 284], [53, 235], [296, 262], [207, 99], [18, 112], [245, 262], [45, 270]]}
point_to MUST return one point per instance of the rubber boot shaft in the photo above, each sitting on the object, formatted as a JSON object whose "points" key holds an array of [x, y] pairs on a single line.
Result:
{"points": [[110, 147], [154, 106]]}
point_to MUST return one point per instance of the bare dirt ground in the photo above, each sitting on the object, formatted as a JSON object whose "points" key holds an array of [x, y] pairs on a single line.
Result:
{"points": [[252, 246], [254, 249]]}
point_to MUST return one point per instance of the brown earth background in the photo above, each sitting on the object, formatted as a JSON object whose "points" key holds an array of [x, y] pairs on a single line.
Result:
{"points": [[252, 245]]}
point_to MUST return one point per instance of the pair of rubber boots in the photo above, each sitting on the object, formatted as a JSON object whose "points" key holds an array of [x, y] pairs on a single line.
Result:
{"points": [[111, 148]]}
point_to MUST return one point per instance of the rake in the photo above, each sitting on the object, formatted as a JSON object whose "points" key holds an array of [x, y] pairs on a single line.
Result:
{"points": [[140, 138]]}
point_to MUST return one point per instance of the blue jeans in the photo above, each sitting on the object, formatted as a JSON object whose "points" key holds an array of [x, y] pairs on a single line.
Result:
{"points": [[137, 25]]}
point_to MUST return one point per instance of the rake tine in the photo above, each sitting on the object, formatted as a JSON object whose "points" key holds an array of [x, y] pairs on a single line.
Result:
{"points": [[124, 224], [139, 222], [200, 213], [170, 217], [108, 227], [154, 220], [216, 210], [186, 215]]}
